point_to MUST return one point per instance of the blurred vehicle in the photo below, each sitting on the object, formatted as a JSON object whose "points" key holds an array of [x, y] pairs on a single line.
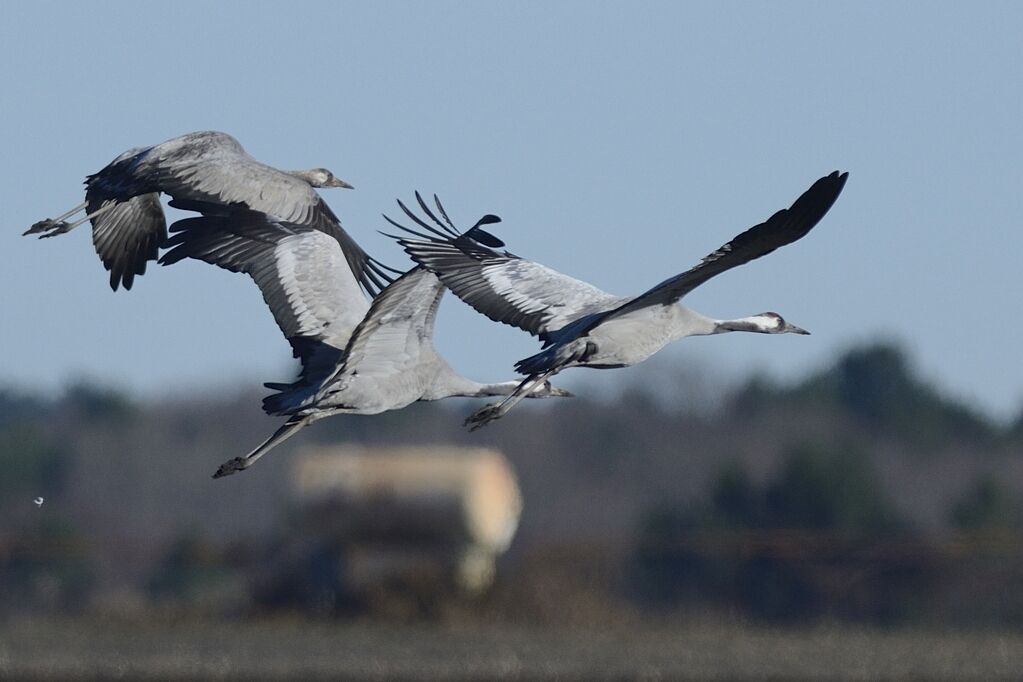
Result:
{"points": [[392, 529]]}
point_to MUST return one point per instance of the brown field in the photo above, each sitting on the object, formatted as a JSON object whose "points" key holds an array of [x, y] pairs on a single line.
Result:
{"points": [[292, 649]]}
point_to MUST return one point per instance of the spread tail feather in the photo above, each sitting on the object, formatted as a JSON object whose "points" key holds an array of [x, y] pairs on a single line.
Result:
{"points": [[290, 397], [556, 357]]}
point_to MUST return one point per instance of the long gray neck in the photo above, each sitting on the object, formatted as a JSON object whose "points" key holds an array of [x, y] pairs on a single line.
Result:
{"points": [[305, 175], [473, 389], [687, 322], [743, 324], [449, 384]]}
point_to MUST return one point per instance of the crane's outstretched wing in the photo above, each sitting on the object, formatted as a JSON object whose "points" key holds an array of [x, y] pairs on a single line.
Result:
{"points": [[302, 272], [373, 275], [784, 227], [213, 167], [127, 235], [500, 285], [398, 328]]}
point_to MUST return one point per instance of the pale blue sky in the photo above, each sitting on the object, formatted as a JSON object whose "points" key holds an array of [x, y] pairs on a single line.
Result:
{"points": [[620, 143]]}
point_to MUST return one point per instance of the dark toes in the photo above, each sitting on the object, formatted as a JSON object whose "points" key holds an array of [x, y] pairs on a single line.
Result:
{"points": [[38, 227], [54, 228], [481, 417], [229, 467]]}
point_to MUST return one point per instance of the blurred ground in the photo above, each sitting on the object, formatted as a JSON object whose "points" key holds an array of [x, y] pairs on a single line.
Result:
{"points": [[292, 649], [661, 537]]}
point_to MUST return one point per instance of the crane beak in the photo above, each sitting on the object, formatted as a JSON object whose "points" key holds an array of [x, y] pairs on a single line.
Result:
{"points": [[793, 329], [338, 182]]}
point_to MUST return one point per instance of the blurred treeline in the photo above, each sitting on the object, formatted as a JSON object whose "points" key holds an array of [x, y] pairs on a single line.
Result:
{"points": [[860, 492]]}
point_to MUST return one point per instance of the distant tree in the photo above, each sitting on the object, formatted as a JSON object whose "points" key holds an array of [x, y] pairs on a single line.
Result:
{"points": [[987, 505], [32, 465], [189, 567], [667, 568], [18, 407], [96, 402], [818, 488], [878, 385], [47, 567], [878, 388], [742, 547], [1015, 430], [755, 395], [735, 501]]}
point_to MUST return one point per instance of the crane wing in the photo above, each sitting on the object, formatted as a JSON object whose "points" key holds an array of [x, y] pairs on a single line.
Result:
{"points": [[303, 274], [373, 275], [784, 227], [500, 285], [127, 235], [213, 167], [398, 328]]}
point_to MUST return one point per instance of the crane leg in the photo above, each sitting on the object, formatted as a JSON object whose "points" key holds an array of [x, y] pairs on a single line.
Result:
{"points": [[290, 428], [49, 223], [489, 413], [51, 227]]}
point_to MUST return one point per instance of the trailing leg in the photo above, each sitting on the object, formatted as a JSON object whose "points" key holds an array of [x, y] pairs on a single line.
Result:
{"points": [[290, 428], [489, 413], [50, 223], [51, 228]]}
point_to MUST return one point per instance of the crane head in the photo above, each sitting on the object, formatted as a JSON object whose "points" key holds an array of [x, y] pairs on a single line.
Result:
{"points": [[773, 323], [321, 177]]}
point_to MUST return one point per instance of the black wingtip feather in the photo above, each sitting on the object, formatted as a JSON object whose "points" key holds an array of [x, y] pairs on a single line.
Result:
{"points": [[403, 228], [440, 207], [480, 235], [426, 209], [815, 202], [419, 221], [488, 219], [474, 237], [381, 268]]}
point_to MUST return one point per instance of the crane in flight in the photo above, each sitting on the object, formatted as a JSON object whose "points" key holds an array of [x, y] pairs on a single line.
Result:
{"points": [[583, 326], [122, 200], [357, 357]]}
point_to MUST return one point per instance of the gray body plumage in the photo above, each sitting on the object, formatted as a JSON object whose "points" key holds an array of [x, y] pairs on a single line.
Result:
{"points": [[357, 357], [198, 170], [582, 326]]}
